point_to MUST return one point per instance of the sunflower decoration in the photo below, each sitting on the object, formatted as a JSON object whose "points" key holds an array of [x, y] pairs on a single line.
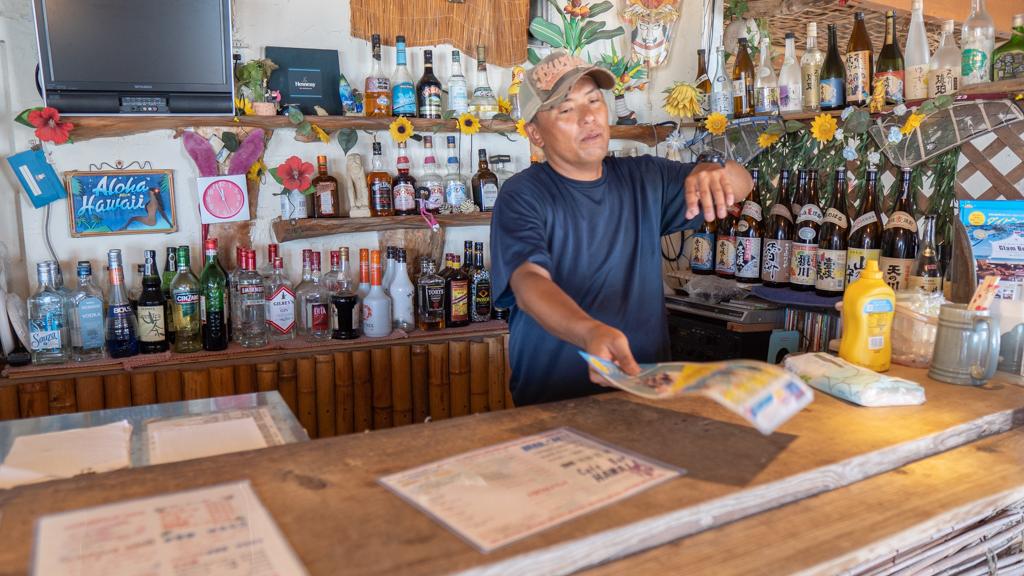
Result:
{"points": [[766, 139], [912, 122], [683, 100], [319, 132], [243, 106], [716, 123], [823, 128], [521, 128], [401, 129], [468, 124], [504, 106]]}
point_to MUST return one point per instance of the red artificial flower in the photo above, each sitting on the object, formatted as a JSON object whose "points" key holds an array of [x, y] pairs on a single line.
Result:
{"points": [[295, 174], [49, 128]]}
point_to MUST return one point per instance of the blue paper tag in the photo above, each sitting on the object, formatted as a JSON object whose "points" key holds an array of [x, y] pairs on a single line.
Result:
{"points": [[37, 177]]}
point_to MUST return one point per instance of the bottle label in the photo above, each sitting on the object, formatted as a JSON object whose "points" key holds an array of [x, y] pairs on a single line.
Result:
{"points": [[943, 81], [751, 209], [702, 251], [405, 197], [293, 205], [748, 257], [725, 255], [901, 219], [775, 260], [809, 213], [894, 85], [151, 324], [325, 198], [925, 283], [810, 84], [403, 98], [489, 195], [460, 300], [766, 100], [458, 99], [481, 299], [917, 82], [1008, 65], [455, 193], [974, 63], [790, 97], [435, 195], [380, 84], [317, 317], [896, 271], [281, 310], [858, 76], [836, 217], [185, 309], [832, 92], [863, 220], [434, 299], [803, 264], [739, 87], [90, 324], [44, 340], [779, 209], [831, 270], [721, 102], [856, 260], [380, 195], [430, 102]]}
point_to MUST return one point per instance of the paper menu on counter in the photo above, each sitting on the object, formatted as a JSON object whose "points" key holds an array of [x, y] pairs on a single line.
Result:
{"points": [[184, 438], [763, 394], [497, 495], [69, 453], [222, 530]]}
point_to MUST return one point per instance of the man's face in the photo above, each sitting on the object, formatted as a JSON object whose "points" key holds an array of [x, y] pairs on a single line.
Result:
{"points": [[576, 131]]}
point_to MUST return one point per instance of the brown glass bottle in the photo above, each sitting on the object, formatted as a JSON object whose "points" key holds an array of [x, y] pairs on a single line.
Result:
{"points": [[866, 231], [702, 249], [832, 242], [485, 185], [899, 238], [748, 236], [456, 296], [743, 82], [725, 243], [778, 237], [378, 183], [804, 261], [890, 67], [403, 187], [428, 89], [325, 192], [800, 195], [860, 63], [703, 83]]}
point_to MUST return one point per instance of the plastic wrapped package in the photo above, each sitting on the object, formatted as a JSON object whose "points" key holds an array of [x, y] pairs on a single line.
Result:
{"points": [[849, 382], [913, 327], [713, 289]]}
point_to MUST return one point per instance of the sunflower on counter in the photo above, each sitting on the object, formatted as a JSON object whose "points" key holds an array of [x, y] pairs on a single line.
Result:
{"points": [[401, 129], [468, 124]]}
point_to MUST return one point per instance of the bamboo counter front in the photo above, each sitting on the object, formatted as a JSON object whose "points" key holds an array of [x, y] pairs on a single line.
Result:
{"points": [[325, 497]]}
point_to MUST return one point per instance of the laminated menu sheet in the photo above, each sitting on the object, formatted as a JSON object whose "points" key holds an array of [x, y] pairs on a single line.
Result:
{"points": [[69, 453], [185, 438]]}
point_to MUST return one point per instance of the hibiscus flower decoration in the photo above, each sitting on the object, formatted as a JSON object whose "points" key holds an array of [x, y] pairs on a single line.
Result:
{"points": [[48, 126], [823, 128], [716, 123], [766, 140], [295, 174], [401, 129], [577, 8], [468, 124], [913, 121], [521, 128]]}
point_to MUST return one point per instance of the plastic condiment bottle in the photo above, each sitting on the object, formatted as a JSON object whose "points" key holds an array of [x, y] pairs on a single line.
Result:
{"points": [[868, 307]]}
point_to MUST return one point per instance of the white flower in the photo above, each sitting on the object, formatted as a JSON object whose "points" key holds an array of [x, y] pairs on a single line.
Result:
{"points": [[874, 158], [900, 110], [894, 135], [850, 153], [839, 134], [846, 113]]}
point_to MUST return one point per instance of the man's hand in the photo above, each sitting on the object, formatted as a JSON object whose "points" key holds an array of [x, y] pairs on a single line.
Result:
{"points": [[711, 189], [606, 342]]}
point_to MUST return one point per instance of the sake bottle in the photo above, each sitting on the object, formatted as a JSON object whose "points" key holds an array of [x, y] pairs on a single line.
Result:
{"points": [[860, 63], [978, 39], [890, 63], [832, 80], [916, 54]]}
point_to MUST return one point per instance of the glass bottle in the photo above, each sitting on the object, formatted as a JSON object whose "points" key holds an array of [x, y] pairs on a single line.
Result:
{"points": [[280, 304], [467, 258], [485, 185], [376, 319], [170, 271], [1008, 59], [501, 171], [253, 308], [803, 264], [482, 104], [833, 76], [430, 188], [212, 284], [430, 297], [86, 317], [480, 288], [725, 243], [456, 296], [743, 82], [325, 192], [185, 306], [702, 249], [899, 237], [267, 269], [748, 232], [766, 84], [378, 181], [458, 97], [721, 91], [778, 238], [810, 70], [978, 38], [860, 63], [916, 54], [314, 302], [345, 303], [800, 196], [403, 92], [122, 329], [926, 274], [944, 70], [889, 67], [231, 294], [454, 182], [403, 187], [332, 281], [428, 89], [136, 289], [48, 320], [703, 83], [152, 322], [387, 268], [377, 94], [866, 231], [790, 89], [833, 242], [402, 292], [364, 280]]}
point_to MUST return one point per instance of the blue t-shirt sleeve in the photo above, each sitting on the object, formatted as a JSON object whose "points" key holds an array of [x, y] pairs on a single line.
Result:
{"points": [[673, 200], [518, 235]]}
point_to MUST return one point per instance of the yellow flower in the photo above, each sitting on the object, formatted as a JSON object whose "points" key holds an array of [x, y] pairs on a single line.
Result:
{"points": [[320, 134], [504, 106], [468, 124], [244, 106], [716, 123], [521, 128], [257, 168], [401, 129], [913, 121], [683, 100], [765, 140], [823, 128]]}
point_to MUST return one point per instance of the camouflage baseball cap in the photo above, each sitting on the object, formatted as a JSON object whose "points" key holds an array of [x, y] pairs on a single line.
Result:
{"points": [[548, 83]]}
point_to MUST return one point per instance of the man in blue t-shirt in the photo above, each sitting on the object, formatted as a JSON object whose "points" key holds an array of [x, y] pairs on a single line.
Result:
{"points": [[576, 241]]}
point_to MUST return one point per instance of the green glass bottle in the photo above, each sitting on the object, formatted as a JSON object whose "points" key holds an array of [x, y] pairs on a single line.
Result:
{"points": [[170, 271], [1008, 59], [213, 286], [185, 306]]}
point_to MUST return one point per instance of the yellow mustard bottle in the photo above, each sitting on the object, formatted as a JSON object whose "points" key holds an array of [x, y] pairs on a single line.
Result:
{"points": [[868, 307]]}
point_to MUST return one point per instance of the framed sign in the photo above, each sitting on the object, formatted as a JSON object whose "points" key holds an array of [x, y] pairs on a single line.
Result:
{"points": [[110, 202]]}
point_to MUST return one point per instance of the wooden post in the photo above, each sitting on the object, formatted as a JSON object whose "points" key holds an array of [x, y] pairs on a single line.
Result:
{"points": [[222, 381], [245, 379], [362, 411], [478, 362], [32, 399], [325, 424], [168, 386], [420, 408], [117, 391], [306, 395], [343, 392], [195, 384], [458, 367], [143, 388], [401, 387], [380, 359], [9, 409], [509, 403], [266, 377], [286, 386], [495, 374], [440, 392], [89, 393], [61, 395]]}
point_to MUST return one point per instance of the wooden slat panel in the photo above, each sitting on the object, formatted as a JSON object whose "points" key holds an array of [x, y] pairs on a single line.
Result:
{"points": [[440, 391], [117, 391], [61, 394], [286, 386], [168, 386], [478, 365], [325, 420], [33, 400], [195, 384], [245, 378], [420, 394], [380, 359], [89, 393], [401, 385], [266, 377], [306, 395], [143, 388], [9, 409], [362, 412], [495, 374], [458, 369], [222, 381], [343, 393]]}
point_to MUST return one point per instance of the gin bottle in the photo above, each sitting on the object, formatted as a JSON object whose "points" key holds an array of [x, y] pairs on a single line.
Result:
{"points": [[48, 320], [122, 330], [252, 307], [86, 317], [280, 304]]}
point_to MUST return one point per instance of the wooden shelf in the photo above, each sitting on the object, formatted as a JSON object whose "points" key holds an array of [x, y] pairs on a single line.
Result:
{"points": [[286, 230]]}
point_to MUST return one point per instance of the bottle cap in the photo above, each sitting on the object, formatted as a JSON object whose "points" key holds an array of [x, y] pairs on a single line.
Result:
{"points": [[482, 153], [344, 252], [812, 28], [210, 245], [113, 258], [321, 159], [278, 263], [451, 140], [871, 270], [948, 26], [790, 36], [335, 258], [272, 251]]}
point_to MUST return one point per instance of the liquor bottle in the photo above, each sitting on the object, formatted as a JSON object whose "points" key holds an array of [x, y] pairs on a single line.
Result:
{"points": [[332, 282], [430, 309], [122, 329], [403, 92], [150, 311], [832, 79], [944, 70], [456, 296], [725, 243], [388, 268], [345, 303], [916, 54], [743, 82], [978, 38], [899, 238], [136, 289], [280, 304], [403, 187], [721, 93], [211, 300], [364, 274], [185, 306], [458, 97], [703, 83], [866, 231], [926, 275], [804, 261], [480, 288], [170, 271], [702, 249], [447, 269], [889, 67], [266, 270], [800, 196], [500, 162], [778, 238], [403, 316], [1008, 59], [430, 188], [833, 242], [325, 196], [485, 185], [482, 104], [428, 89], [86, 317], [379, 183], [48, 320], [467, 258], [454, 182], [377, 94], [810, 70], [766, 84], [376, 304], [294, 205], [790, 83], [313, 303], [860, 63], [231, 292], [748, 236], [252, 292]]}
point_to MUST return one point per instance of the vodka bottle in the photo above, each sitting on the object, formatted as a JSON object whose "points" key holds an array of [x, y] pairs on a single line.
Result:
{"points": [[252, 308], [402, 291], [48, 320], [915, 55], [790, 91], [280, 304], [87, 342], [978, 38], [483, 104], [458, 98], [122, 327]]}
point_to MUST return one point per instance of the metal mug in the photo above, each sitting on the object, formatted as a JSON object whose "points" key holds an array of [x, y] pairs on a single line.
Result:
{"points": [[966, 346]]}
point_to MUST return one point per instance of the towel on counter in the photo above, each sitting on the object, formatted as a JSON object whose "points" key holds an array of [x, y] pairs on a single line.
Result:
{"points": [[852, 383]]}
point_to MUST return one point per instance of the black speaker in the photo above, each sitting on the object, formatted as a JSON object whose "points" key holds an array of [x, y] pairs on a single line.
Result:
{"points": [[200, 104]]}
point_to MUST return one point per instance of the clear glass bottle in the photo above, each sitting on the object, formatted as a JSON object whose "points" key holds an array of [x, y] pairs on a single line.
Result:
{"points": [[403, 316], [483, 104], [916, 54], [790, 90], [376, 304], [926, 275], [430, 185], [150, 310], [455, 191], [429, 297], [314, 303], [403, 91], [458, 97], [267, 268], [122, 328], [185, 296], [87, 339], [345, 303], [500, 163], [280, 304], [810, 70], [721, 89], [944, 70], [480, 288], [377, 93], [231, 295], [978, 39], [48, 320], [766, 83], [253, 309]]}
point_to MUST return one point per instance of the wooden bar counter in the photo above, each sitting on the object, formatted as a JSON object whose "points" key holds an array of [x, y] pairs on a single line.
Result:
{"points": [[819, 473]]}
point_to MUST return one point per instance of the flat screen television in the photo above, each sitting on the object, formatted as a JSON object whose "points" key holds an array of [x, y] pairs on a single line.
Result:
{"points": [[135, 56]]}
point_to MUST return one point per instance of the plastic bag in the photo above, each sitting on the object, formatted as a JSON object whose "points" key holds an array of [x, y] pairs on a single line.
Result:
{"points": [[914, 326], [713, 289], [849, 382]]}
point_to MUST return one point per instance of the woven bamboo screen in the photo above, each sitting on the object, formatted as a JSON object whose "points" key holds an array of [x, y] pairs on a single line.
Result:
{"points": [[500, 25]]}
